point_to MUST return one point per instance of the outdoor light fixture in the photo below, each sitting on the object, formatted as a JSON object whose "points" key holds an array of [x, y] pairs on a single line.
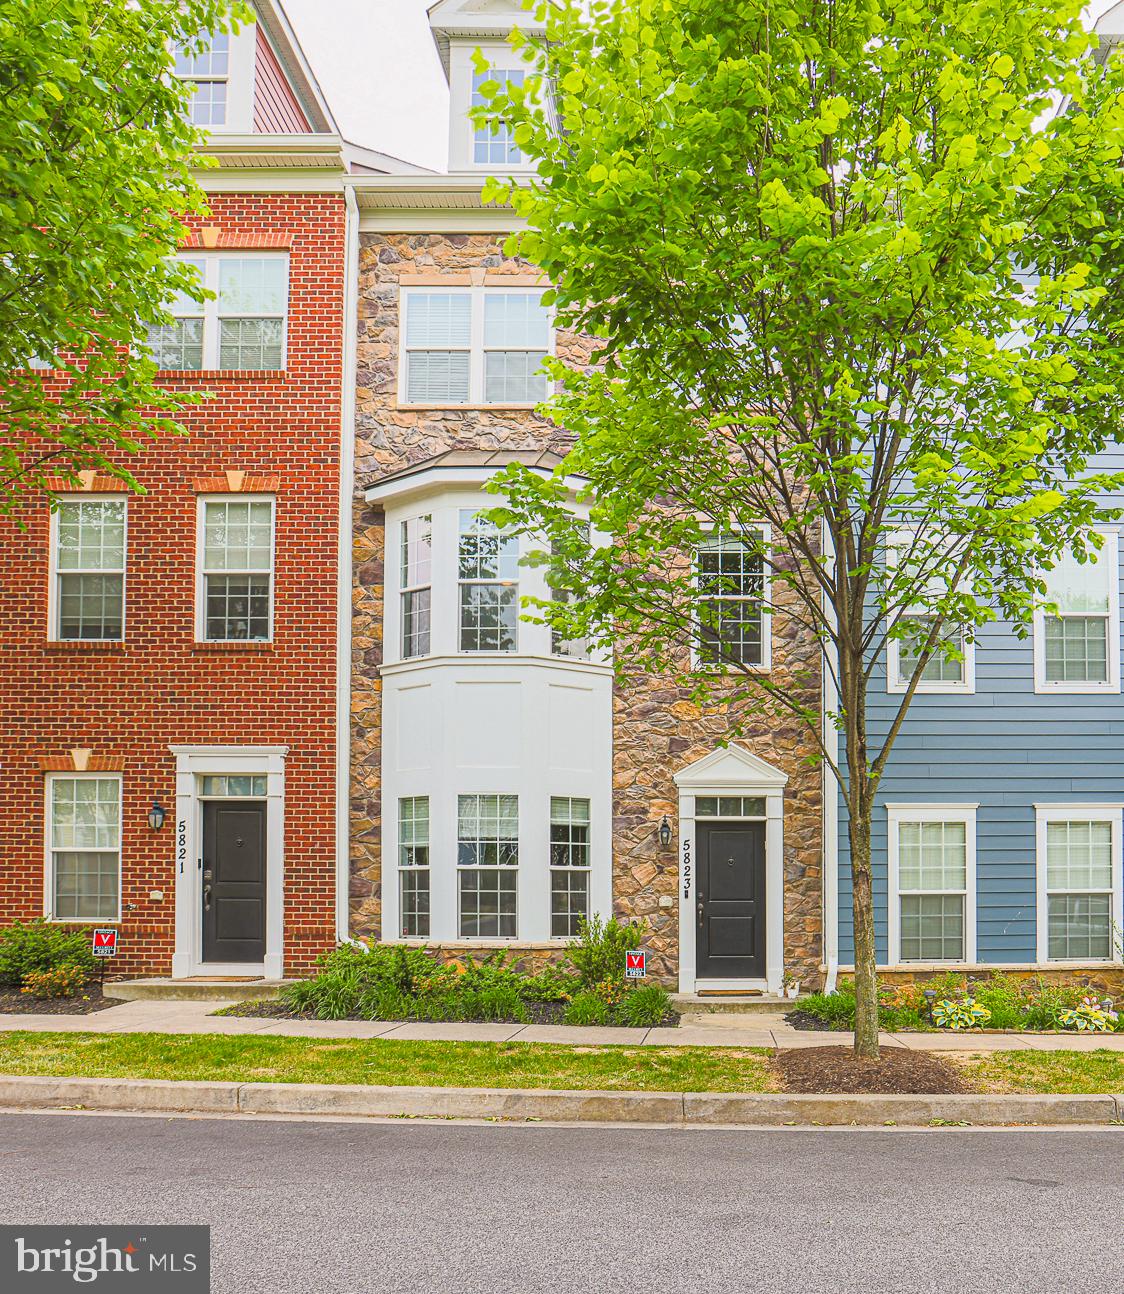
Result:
{"points": [[930, 997], [156, 816], [665, 832]]}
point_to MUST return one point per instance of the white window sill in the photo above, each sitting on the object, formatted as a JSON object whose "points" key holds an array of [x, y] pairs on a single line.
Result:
{"points": [[1077, 689], [521, 659], [528, 406]]}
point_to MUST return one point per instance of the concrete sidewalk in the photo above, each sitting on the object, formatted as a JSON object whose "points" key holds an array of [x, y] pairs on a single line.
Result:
{"points": [[703, 1030]]}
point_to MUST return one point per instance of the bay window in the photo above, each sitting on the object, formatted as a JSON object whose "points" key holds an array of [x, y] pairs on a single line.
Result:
{"points": [[1077, 648], [488, 573], [569, 864], [416, 591], [413, 866], [932, 869]]}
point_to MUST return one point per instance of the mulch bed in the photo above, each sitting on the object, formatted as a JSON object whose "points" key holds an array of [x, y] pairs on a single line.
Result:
{"points": [[805, 1020], [539, 1012], [837, 1069], [90, 1000]]}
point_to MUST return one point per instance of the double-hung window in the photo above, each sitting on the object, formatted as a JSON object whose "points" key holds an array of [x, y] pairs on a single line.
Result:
{"points": [[942, 672], [932, 884], [1077, 648], [473, 345], [84, 847], [488, 571], [89, 570], [413, 866], [569, 864], [487, 865], [207, 70], [731, 600], [1078, 882], [495, 146], [236, 570], [417, 576], [241, 326]]}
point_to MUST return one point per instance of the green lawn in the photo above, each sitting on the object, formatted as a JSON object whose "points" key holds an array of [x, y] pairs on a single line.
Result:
{"points": [[1071, 1072], [392, 1063]]}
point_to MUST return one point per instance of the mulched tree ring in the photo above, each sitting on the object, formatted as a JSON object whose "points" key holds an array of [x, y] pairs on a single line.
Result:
{"points": [[838, 1069]]}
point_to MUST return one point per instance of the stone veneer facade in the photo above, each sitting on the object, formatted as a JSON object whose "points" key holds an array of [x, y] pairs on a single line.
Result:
{"points": [[657, 730]]}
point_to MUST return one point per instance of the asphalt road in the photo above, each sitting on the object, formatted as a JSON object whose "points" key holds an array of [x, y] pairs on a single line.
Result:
{"points": [[363, 1208]]}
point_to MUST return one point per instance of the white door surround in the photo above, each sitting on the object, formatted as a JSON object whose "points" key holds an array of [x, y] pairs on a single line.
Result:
{"points": [[193, 763], [732, 771]]}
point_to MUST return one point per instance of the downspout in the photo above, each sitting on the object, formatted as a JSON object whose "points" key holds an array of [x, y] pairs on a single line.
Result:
{"points": [[829, 704], [343, 573]]}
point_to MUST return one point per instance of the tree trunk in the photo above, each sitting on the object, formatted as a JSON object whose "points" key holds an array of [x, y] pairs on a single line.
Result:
{"points": [[866, 974]]}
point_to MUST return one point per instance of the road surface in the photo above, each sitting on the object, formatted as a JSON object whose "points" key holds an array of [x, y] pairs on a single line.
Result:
{"points": [[367, 1208]]}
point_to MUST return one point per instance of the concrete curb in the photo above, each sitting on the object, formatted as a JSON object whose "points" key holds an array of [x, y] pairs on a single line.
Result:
{"points": [[687, 1108]]}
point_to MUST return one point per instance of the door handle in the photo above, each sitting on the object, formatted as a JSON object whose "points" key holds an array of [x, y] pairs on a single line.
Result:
{"points": [[700, 915], [206, 898]]}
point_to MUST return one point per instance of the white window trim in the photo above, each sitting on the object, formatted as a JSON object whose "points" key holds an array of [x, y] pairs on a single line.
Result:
{"points": [[241, 70], [499, 583], [49, 850], [208, 310], [404, 588], [964, 686], [896, 815], [53, 570], [475, 348], [200, 571], [462, 129], [1103, 812], [1111, 553], [766, 663]]}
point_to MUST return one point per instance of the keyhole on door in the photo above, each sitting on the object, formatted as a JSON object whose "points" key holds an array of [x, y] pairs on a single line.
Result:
{"points": [[729, 862]]}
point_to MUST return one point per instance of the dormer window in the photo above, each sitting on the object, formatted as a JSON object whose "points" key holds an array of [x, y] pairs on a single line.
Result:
{"points": [[208, 70], [495, 146]]}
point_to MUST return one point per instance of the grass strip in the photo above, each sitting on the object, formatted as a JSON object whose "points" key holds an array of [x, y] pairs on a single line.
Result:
{"points": [[1072, 1073], [241, 1059]]}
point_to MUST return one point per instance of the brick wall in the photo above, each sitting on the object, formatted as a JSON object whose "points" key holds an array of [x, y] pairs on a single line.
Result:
{"points": [[130, 701]]}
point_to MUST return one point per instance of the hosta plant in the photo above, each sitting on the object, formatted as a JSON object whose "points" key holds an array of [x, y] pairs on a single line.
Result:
{"points": [[1090, 1016], [966, 1013]]}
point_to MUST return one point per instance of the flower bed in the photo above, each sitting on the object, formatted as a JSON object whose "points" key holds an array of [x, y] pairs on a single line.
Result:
{"points": [[997, 1003], [392, 982]]}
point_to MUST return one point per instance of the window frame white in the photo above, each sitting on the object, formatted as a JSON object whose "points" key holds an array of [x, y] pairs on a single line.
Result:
{"points": [[209, 78], [501, 869], [1110, 551], [476, 349], [1110, 812], [201, 571], [895, 686], [212, 316], [721, 667], [461, 584], [49, 850], [462, 130], [405, 588], [896, 816], [54, 571]]}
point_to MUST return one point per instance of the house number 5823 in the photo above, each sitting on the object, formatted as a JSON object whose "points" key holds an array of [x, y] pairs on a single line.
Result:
{"points": [[686, 869]]}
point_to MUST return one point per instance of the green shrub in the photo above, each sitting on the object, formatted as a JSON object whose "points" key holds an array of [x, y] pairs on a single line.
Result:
{"points": [[552, 984], [643, 1008], [1005, 998], [27, 947], [59, 981], [836, 1009], [587, 1008], [598, 955]]}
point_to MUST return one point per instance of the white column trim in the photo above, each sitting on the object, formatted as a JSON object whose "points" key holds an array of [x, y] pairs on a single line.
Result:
{"points": [[191, 763]]}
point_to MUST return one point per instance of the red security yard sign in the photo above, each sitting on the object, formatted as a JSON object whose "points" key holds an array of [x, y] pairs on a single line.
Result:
{"points": [[105, 943], [635, 964]]}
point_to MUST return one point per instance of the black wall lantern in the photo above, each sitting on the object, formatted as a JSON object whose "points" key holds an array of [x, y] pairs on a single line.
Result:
{"points": [[156, 816], [665, 832]]}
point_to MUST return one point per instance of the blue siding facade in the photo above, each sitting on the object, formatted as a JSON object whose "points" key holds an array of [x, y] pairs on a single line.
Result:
{"points": [[1004, 748]]}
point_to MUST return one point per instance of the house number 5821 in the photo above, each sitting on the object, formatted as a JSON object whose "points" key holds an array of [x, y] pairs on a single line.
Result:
{"points": [[181, 843]]}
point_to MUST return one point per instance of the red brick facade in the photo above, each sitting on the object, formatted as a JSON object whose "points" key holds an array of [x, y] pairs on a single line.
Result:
{"points": [[128, 702]]}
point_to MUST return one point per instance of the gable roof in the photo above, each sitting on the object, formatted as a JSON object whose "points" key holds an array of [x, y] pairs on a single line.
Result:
{"points": [[279, 31], [482, 19], [731, 768]]}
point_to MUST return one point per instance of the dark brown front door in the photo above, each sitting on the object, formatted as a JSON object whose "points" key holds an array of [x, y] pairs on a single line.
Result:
{"points": [[233, 881], [731, 900]]}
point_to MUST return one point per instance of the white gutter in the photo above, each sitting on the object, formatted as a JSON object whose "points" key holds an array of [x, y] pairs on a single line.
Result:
{"points": [[829, 704], [343, 575]]}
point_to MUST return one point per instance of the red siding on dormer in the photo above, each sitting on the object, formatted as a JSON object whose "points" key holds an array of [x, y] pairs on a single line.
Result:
{"points": [[276, 110]]}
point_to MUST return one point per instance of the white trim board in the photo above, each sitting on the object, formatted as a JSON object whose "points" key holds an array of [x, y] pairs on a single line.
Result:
{"points": [[724, 771], [896, 815], [192, 763], [1109, 812]]}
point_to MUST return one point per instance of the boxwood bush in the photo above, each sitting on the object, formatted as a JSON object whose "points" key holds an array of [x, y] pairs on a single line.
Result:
{"points": [[35, 946]]}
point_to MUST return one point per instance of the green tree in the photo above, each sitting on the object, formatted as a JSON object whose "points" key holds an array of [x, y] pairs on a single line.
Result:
{"points": [[94, 178], [851, 277]]}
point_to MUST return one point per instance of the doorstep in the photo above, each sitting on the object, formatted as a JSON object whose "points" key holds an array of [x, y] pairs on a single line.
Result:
{"points": [[198, 988], [740, 1003]]}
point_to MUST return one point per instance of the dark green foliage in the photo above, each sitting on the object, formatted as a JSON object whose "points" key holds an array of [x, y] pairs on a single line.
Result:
{"points": [[587, 1008], [40, 946], [644, 1007], [599, 952]]}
